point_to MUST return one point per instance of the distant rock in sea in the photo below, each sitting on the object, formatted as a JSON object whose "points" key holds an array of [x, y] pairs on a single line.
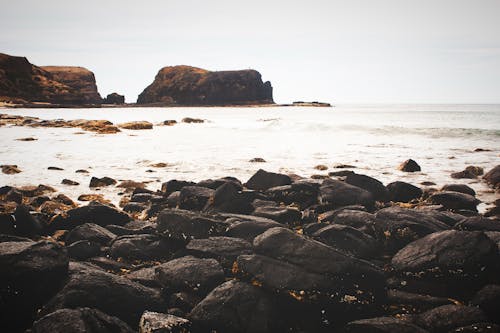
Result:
{"points": [[114, 98], [23, 82], [186, 85]]}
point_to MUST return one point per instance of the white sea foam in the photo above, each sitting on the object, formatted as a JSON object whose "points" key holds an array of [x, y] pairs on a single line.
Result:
{"points": [[291, 139]]}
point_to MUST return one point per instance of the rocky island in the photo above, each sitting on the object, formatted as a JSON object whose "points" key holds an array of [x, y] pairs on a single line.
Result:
{"points": [[186, 85], [24, 83]]}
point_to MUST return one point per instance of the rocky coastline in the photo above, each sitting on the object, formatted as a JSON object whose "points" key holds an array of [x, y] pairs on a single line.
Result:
{"points": [[24, 85], [277, 253]]}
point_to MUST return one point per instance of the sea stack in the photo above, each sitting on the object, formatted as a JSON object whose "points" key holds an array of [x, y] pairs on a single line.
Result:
{"points": [[186, 85], [24, 83]]}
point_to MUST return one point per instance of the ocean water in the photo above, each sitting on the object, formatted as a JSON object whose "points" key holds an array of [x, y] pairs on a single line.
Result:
{"points": [[373, 138]]}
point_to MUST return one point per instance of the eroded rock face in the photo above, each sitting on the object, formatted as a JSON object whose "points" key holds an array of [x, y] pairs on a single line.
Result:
{"points": [[185, 85], [21, 80]]}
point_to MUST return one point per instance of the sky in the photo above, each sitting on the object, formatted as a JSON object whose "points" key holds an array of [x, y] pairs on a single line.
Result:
{"points": [[338, 51]]}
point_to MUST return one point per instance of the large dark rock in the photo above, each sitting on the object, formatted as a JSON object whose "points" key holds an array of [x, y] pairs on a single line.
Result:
{"points": [[224, 249], [96, 213], [263, 180], [141, 247], [405, 302], [488, 299], [359, 287], [80, 320], [492, 177], [455, 200], [154, 322], [302, 193], [90, 232], [285, 215], [447, 317], [31, 272], [349, 240], [115, 295], [382, 325], [185, 85], [478, 223], [372, 185], [101, 182], [395, 227], [83, 249], [60, 85], [230, 199], [462, 188], [175, 185], [191, 274], [25, 223], [247, 227], [409, 166], [340, 194], [449, 263], [357, 219], [403, 192], [184, 225], [235, 307], [194, 197]]}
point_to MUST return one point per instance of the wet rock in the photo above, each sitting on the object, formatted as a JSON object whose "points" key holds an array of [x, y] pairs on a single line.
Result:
{"points": [[263, 180], [248, 227], [194, 197], [94, 197], [80, 320], [93, 213], [109, 265], [55, 168], [488, 300], [189, 120], [235, 307], [358, 219], [470, 172], [223, 249], [300, 193], [462, 188], [170, 122], [10, 169], [403, 192], [342, 173], [101, 182], [25, 223], [375, 187], [154, 322], [449, 263], [145, 276], [382, 325], [81, 171], [141, 247], [493, 177], [31, 273], [414, 303], [82, 250], [395, 227], [130, 184], [91, 232], [257, 160], [285, 215], [409, 166], [136, 125], [349, 240], [190, 274], [216, 183], [448, 317], [135, 207], [185, 225], [52, 208], [340, 194], [115, 295], [175, 185], [455, 201], [228, 198], [185, 301], [14, 196], [478, 223], [359, 286]]}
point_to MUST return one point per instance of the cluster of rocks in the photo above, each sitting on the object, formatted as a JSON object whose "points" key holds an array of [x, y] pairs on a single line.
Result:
{"points": [[97, 126], [275, 254]]}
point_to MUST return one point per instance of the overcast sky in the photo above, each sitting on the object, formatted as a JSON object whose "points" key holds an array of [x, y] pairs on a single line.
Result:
{"points": [[339, 51]]}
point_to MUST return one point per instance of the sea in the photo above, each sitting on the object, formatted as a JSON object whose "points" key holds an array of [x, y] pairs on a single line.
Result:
{"points": [[374, 139]]}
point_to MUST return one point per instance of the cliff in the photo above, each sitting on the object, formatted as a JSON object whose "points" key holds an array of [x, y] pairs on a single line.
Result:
{"points": [[22, 81], [185, 85]]}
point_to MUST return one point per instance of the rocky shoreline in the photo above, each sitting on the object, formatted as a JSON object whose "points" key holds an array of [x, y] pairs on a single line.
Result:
{"points": [[276, 253]]}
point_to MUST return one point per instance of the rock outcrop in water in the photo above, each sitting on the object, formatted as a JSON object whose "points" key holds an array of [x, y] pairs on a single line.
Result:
{"points": [[23, 82], [185, 85]]}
